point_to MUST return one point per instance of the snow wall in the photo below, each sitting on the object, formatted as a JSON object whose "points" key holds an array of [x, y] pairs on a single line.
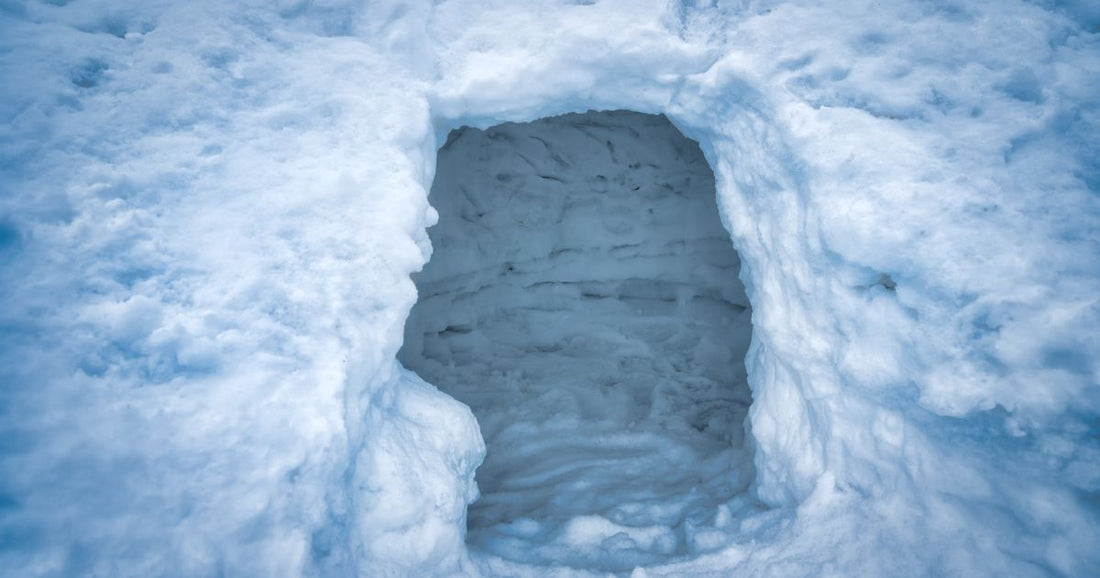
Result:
{"points": [[210, 212]]}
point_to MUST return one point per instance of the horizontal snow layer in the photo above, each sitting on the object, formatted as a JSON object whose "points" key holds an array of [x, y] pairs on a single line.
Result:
{"points": [[582, 298], [209, 212]]}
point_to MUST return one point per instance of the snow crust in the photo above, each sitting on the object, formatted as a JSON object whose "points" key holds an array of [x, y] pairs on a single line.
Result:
{"points": [[209, 213]]}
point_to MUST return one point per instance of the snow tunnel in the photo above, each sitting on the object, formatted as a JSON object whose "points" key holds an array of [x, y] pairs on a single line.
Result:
{"points": [[583, 299]]}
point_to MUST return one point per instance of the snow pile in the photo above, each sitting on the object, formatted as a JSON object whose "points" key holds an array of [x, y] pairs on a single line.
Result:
{"points": [[209, 213], [583, 300]]}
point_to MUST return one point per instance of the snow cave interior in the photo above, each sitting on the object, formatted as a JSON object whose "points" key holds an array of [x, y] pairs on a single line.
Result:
{"points": [[583, 299]]}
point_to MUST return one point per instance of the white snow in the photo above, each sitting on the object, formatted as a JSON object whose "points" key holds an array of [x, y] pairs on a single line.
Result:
{"points": [[209, 213]]}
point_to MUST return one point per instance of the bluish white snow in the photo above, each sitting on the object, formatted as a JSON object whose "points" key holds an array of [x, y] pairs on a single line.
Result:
{"points": [[210, 213]]}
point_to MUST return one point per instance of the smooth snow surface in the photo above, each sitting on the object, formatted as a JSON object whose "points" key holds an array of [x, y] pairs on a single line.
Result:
{"points": [[210, 212], [582, 298]]}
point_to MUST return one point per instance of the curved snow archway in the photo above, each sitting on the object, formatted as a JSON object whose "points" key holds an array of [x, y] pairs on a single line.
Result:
{"points": [[583, 299]]}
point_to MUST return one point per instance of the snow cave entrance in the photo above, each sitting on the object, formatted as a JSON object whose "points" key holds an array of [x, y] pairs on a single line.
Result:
{"points": [[583, 299]]}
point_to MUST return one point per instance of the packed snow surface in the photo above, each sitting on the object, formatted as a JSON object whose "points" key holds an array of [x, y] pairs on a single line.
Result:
{"points": [[210, 213], [582, 298]]}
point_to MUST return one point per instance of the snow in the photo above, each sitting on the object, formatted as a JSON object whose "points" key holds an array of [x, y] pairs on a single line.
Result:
{"points": [[210, 212]]}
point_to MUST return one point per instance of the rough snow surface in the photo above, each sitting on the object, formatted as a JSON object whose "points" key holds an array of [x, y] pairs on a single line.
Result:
{"points": [[582, 298], [209, 213]]}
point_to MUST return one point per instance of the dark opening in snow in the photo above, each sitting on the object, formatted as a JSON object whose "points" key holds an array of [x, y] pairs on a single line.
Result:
{"points": [[583, 300]]}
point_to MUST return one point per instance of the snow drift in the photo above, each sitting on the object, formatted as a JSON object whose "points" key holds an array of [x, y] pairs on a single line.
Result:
{"points": [[209, 214]]}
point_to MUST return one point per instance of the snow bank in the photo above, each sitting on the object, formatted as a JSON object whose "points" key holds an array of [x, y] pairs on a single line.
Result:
{"points": [[209, 214]]}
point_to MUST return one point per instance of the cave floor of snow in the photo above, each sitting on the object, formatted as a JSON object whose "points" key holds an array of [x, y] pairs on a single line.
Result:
{"points": [[608, 473]]}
